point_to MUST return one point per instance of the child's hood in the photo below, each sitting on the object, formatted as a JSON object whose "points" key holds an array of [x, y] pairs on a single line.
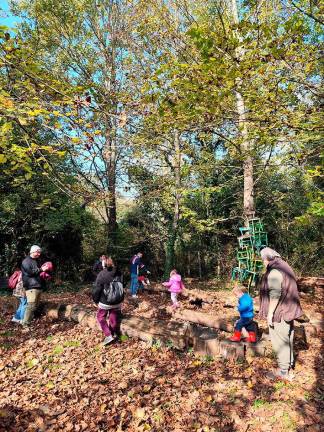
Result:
{"points": [[176, 278]]}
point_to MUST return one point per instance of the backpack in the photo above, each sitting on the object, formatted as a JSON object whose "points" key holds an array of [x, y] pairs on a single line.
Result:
{"points": [[14, 279], [115, 292]]}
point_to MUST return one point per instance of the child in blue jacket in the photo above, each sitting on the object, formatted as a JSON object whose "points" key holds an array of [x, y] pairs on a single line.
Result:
{"points": [[245, 308]]}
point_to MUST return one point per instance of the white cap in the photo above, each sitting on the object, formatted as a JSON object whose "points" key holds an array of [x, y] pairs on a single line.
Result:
{"points": [[35, 248]]}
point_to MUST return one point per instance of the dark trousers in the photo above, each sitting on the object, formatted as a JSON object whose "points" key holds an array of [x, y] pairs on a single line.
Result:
{"points": [[247, 323]]}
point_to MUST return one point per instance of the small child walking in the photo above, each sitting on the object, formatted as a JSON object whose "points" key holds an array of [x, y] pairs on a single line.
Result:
{"points": [[175, 286], [245, 308]]}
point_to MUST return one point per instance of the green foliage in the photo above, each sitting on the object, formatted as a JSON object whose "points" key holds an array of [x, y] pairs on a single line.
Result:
{"points": [[84, 110], [58, 350], [26, 89], [258, 403]]}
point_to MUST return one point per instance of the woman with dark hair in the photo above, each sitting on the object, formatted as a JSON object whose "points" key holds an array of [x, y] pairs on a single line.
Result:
{"points": [[280, 306], [108, 294]]}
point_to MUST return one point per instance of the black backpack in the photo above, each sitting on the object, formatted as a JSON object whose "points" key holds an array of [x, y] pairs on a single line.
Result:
{"points": [[114, 293]]}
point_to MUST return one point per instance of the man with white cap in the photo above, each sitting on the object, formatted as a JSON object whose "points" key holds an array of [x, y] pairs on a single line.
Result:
{"points": [[280, 306], [32, 281]]}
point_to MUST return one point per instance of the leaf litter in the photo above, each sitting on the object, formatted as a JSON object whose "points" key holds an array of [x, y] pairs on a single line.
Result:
{"points": [[59, 377]]}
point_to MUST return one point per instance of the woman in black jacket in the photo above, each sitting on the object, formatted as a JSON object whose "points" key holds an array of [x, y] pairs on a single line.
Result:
{"points": [[108, 294]]}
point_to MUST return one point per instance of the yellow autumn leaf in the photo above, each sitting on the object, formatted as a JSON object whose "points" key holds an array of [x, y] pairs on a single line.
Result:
{"points": [[140, 413]]}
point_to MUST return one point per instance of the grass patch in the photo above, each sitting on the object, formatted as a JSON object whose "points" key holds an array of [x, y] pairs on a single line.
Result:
{"points": [[6, 345], [72, 343], [53, 366], [50, 385], [288, 422], [279, 385], [32, 363], [156, 344], [7, 333], [58, 350], [207, 359], [258, 403]]}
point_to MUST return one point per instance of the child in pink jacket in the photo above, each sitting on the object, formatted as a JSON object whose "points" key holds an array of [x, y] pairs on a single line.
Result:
{"points": [[175, 286]]}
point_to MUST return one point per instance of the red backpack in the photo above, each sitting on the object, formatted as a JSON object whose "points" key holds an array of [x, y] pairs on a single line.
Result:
{"points": [[14, 279]]}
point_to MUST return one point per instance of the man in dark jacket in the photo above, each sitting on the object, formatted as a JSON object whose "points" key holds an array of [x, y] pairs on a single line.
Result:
{"points": [[32, 281], [109, 300], [280, 306]]}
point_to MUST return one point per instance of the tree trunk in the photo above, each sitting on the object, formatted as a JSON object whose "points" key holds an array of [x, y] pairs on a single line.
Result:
{"points": [[110, 162], [246, 147], [248, 195], [112, 215], [110, 153], [204, 319], [173, 231], [199, 265]]}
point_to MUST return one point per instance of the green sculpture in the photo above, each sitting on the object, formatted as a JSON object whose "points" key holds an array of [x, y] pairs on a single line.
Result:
{"points": [[251, 240]]}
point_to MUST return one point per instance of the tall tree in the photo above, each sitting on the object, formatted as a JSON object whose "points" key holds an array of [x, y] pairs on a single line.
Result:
{"points": [[85, 43]]}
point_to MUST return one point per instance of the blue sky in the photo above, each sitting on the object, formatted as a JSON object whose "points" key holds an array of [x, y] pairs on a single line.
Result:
{"points": [[6, 18]]}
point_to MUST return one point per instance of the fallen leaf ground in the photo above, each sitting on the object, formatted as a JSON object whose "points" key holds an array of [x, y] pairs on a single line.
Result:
{"points": [[58, 377]]}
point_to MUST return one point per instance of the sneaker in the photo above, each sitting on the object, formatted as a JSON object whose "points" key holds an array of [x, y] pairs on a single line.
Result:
{"points": [[15, 320], [108, 340], [134, 296], [280, 374]]}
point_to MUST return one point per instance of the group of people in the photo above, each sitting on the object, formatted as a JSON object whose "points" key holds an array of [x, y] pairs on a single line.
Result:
{"points": [[279, 305], [108, 294], [279, 299]]}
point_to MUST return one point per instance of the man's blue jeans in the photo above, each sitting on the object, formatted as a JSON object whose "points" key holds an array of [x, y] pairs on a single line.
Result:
{"points": [[20, 312], [134, 284]]}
